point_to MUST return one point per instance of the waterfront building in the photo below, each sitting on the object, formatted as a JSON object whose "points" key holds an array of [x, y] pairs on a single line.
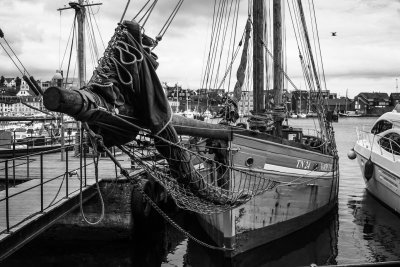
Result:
{"points": [[341, 105], [372, 103], [14, 91]]}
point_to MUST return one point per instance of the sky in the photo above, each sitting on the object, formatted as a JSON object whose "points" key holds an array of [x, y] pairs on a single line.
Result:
{"points": [[363, 57]]}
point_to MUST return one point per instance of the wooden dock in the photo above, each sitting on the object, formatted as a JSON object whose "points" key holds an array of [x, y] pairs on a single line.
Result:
{"points": [[32, 206]]}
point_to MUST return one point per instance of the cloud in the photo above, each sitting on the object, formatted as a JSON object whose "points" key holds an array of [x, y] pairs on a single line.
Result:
{"points": [[365, 50]]}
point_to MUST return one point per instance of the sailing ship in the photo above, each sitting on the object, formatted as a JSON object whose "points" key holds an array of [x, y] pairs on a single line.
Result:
{"points": [[307, 173], [248, 186]]}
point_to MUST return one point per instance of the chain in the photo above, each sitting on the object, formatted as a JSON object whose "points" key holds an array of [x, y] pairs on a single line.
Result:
{"points": [[174, 224], [135, 182]]}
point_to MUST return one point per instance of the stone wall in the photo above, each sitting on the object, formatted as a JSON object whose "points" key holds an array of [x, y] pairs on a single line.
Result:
{"points": [[116, 224]]}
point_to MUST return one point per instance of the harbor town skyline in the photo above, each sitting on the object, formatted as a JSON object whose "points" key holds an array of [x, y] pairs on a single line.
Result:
{"points": [[362, 57]]}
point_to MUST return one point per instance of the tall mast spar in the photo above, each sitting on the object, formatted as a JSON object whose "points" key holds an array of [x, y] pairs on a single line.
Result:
{"points": [[258, 56], [80, 10], [278, 62], [279, 109], [80, 17]]}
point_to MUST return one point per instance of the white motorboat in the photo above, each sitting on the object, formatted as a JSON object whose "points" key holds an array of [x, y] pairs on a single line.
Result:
{"points": [[378, 154]]}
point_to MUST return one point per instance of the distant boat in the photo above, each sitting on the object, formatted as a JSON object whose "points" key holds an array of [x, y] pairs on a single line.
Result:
{"points": [[350, 114], [312, 115], [378, 154]]}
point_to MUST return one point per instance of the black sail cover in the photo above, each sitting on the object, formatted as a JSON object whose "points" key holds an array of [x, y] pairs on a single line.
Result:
{"points": [[125, 90], [125, 84]]}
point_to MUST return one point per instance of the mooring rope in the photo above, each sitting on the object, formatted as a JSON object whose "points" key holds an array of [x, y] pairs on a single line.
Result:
{"points": [[92, 137]]}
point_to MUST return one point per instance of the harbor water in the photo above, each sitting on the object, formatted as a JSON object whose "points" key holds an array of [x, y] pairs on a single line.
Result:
{"points": [[360, 230]]}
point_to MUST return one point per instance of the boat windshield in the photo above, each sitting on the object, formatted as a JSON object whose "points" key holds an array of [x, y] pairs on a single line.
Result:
{"points": [[381, 126], [391, 143]]}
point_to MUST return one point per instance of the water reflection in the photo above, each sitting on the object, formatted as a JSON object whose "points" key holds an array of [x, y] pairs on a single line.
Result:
{"points": [[152, 245], [314, 244], [380, 228]]}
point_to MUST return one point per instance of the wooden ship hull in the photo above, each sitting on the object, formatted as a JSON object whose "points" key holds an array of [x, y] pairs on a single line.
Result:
{"points": [[284, 252], [307, 190]]}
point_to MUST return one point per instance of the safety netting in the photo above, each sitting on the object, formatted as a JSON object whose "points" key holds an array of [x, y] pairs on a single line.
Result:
{"points": [[197, 174]]}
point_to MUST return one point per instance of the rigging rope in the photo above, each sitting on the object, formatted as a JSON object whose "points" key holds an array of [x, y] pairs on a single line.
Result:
{"points": [[148, 13], [69, 37], [97, 26], [169, 21], [140, 11], [319, 44], [233, 42], [25, 70], [123, 14], [96, 155], [70, 53]]}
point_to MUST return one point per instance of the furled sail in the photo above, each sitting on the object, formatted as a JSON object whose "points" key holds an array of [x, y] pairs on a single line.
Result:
{"points": [[126, 83], [231, 107]]}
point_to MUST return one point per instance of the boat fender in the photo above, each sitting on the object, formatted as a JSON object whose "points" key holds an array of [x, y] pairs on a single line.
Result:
{"points": [[368, 169], [351, 154]]}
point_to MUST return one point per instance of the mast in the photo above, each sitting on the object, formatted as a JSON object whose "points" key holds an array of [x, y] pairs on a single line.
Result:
{"points": [[258, 56], [278, 113], [177, 100], [80, 17], [187, 100], [300, 103], [278, 62], [80, 13]]}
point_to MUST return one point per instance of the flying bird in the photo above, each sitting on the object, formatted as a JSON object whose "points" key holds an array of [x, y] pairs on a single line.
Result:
{"points": [[333, 33]]}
